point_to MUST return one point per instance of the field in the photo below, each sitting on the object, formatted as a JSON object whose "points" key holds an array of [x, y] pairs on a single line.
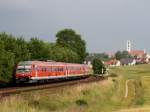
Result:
{"points": [[127, 90], [138, 77]]}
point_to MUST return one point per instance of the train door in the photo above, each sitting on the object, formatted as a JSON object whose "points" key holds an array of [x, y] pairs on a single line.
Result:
{"points": [[67, 70], [44, 71], [36, 70]]}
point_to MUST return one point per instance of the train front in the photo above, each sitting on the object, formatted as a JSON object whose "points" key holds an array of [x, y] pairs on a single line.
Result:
{"points": [[23, 71]]}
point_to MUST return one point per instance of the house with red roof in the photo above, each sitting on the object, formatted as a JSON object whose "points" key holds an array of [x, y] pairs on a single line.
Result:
{"points": [[137, 53], [134, 53], [112, 63]]}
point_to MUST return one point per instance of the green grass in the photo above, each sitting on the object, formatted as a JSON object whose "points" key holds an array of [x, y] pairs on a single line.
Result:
{"points": [[86, 97], [139, 85], [105, 96], [132, 72], [146, 89]]}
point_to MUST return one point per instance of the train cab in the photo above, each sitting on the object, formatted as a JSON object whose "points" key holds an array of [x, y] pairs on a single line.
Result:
{"points": [[24, 71]]}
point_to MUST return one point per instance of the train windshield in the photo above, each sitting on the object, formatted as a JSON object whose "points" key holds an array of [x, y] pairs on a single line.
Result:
{"points": [[24, 68]]}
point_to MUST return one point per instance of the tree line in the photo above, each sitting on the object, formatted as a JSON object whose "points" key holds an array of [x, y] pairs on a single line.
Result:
{"points": [[69, 47], [105, 57]]}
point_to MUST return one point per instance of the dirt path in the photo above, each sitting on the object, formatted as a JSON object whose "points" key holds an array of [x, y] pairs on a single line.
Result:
{"points": [[127, 88]]}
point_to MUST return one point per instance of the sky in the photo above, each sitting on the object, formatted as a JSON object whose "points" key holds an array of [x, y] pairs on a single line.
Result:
{"points": [[105, 25]]}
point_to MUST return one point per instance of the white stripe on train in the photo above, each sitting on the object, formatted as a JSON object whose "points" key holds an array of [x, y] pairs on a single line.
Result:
{"points": [[55, 77]]}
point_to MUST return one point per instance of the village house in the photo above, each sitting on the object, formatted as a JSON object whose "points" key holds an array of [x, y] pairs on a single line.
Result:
{"points": [[137, 53], [113, 63], [128, 61]]}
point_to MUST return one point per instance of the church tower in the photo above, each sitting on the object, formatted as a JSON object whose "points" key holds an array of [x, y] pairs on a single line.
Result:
{"points": [[128, 45]]}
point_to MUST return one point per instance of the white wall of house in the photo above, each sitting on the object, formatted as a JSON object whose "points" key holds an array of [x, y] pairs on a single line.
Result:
{"points": [[133, 62], [118, 63]]}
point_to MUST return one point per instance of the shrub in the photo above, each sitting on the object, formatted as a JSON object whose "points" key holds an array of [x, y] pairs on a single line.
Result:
{"points": [[98, 66], [81, 102]]}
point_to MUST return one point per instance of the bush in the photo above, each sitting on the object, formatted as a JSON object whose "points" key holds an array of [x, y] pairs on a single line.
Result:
{"points": [[98, 66], [12, 50], [81, 102]]}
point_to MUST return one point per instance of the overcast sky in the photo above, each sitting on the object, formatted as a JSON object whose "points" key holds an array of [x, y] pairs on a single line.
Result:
{"points": [[106, 25]]}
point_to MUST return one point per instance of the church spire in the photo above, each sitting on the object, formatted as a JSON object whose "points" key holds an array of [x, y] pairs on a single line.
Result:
{"points": [[128, 46]]}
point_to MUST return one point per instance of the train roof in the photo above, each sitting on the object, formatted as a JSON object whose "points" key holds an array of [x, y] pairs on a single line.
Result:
{"points": [[49, 63]]}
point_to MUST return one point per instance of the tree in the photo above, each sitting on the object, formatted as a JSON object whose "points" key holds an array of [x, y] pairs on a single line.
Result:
{"points": [[70, 39], [63, 54], [6, 63], [12, 50], [6, 66], [102, 56], [98, 66], [118, 55], [38, 49], [21, 51], [122, 54]]}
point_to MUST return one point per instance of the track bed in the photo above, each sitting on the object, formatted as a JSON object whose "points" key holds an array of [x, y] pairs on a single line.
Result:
{"points": [[52, 84]]}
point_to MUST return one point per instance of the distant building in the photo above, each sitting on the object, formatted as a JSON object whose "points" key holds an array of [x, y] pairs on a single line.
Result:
{"points": [[147, 57], [144, 60], [112, 63], [128, 45], [135, 53], [128, 61]]}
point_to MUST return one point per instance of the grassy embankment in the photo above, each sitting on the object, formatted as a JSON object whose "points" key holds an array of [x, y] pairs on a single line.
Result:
{"points": [[105, 96], [139, 90]]}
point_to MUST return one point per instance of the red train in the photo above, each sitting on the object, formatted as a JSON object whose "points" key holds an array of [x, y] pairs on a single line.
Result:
{"points": [[30, 71]]}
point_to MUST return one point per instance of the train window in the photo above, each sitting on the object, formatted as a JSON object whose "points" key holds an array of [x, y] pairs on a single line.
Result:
{"points": [[41, 69], [54, 69], [49, 69], [44, 69], [37, 69], [60, 69], [57, 69], [24, 68]]}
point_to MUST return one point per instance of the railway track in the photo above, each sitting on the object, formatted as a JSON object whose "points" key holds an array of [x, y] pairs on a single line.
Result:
{"points": [[16, 90]]}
